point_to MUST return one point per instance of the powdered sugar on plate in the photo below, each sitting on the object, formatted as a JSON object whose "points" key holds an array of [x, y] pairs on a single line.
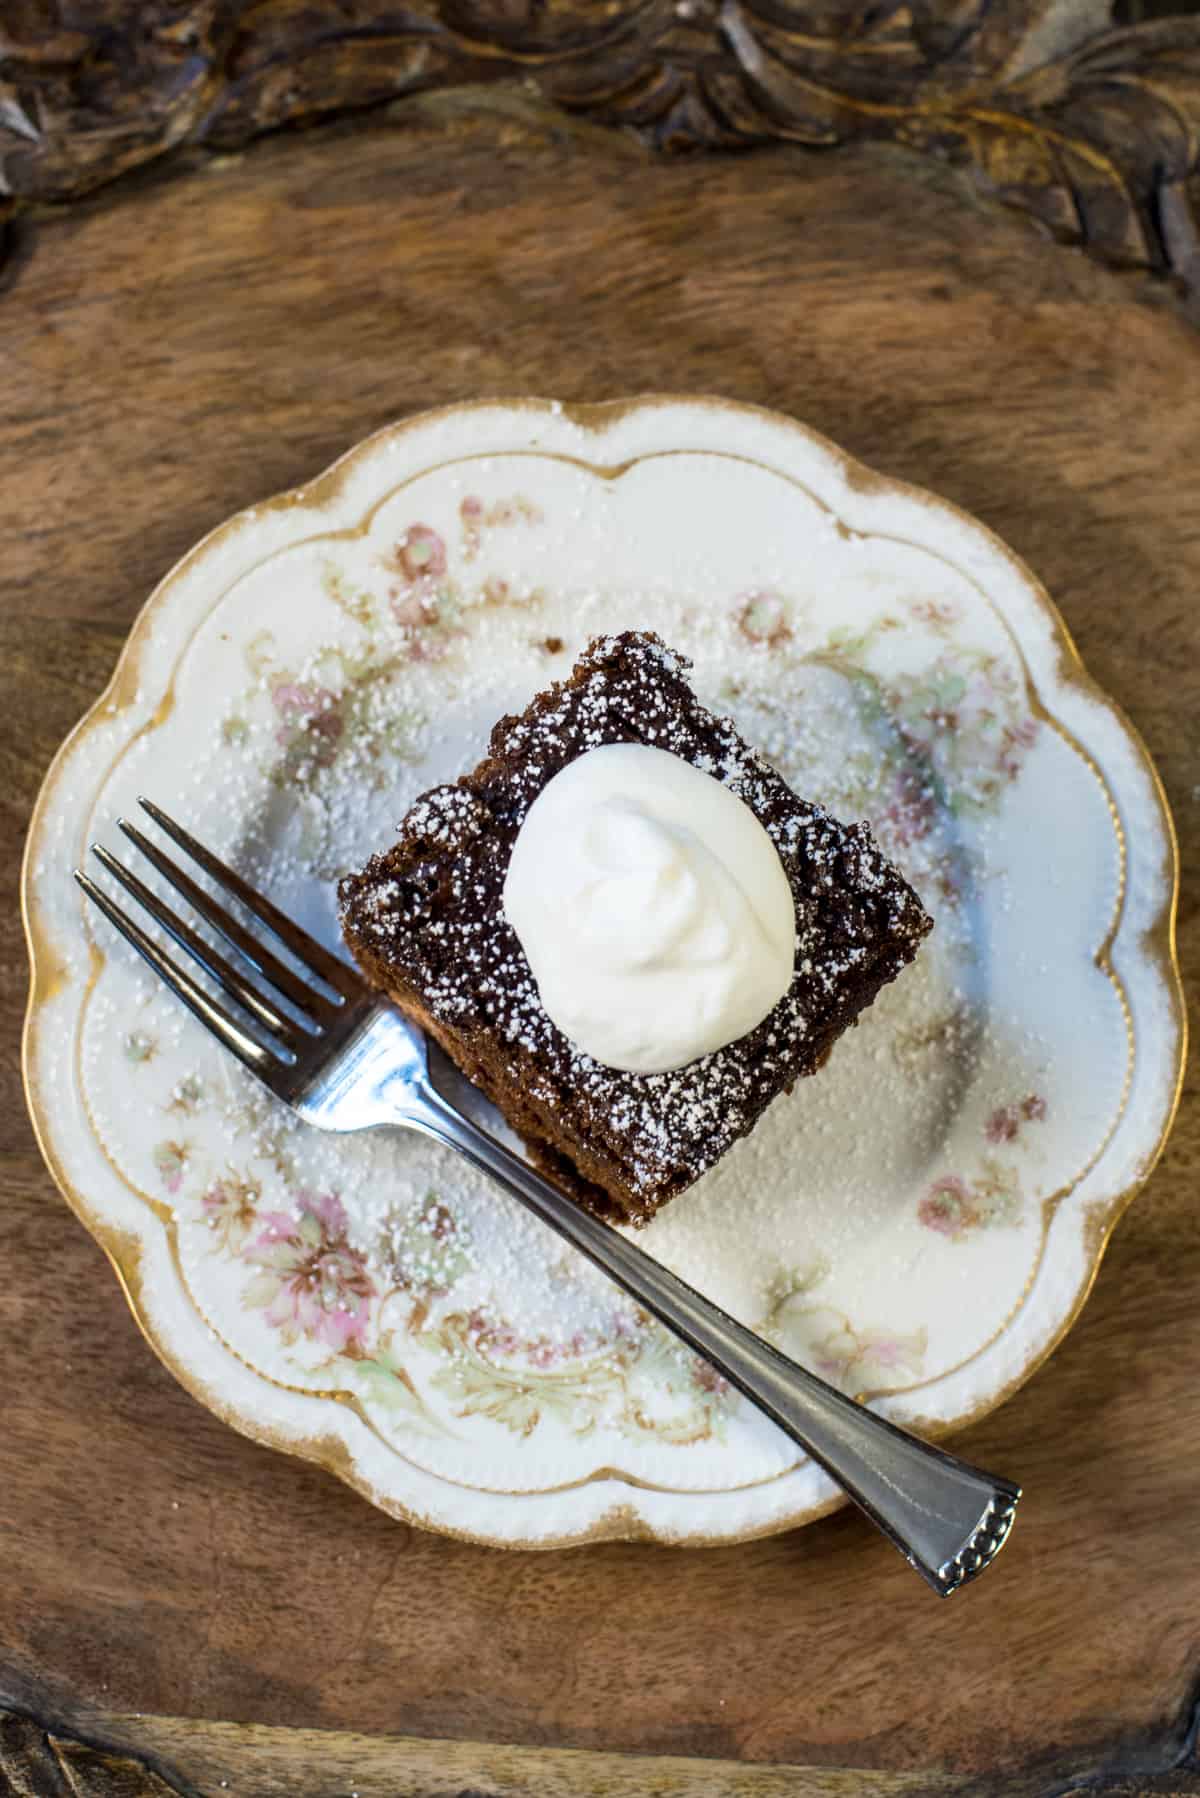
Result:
{"points": [[344, 675]]}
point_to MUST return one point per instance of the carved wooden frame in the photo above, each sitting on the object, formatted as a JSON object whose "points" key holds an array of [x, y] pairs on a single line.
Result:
{"points": [[1094, 131]]}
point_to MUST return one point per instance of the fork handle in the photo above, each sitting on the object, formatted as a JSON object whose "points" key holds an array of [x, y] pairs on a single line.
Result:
{"points": [[949, 1519]]}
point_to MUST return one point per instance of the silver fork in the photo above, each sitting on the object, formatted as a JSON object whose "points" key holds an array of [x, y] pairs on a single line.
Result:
{"points": [[345, 1061]]}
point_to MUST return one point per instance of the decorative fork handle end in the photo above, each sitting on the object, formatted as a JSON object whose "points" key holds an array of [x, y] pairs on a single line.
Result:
{"points": [[983, 1545]]}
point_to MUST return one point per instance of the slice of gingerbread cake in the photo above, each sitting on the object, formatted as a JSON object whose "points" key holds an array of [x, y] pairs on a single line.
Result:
{"points": [[626, 929]]}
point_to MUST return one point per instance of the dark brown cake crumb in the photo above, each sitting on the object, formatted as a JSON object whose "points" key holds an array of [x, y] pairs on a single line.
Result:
{"points": [[425, 921]]}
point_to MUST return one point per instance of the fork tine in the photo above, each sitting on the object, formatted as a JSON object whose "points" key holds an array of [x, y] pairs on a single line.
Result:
{"points": [[305, 948], [305, 998], [231, 980], [261, 1060]]}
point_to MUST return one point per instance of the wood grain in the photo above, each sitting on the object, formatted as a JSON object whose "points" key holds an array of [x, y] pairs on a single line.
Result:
{"points": [[173, 1755], [167, 1757], [1094, 132], [172, 351]]}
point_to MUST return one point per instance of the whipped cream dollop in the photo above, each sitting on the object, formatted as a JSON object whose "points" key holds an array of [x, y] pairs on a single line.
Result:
{"points": [[652, 907]]}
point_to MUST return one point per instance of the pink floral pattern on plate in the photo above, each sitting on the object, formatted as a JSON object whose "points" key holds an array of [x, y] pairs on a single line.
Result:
{"points": [[311, 1281], [956, 1205]]}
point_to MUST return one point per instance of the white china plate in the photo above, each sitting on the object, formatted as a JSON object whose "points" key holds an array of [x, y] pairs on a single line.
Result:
{"points": [[921, 1222]]}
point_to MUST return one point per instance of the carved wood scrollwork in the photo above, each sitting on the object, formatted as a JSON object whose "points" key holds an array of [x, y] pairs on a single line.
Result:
{"points": [[1095, 131]]}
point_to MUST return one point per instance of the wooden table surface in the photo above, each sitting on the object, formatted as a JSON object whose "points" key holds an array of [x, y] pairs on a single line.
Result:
{"points": [[169, 352]]}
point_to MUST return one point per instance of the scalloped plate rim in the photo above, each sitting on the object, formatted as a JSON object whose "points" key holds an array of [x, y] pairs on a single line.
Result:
{"points": [[619, 1516]]}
